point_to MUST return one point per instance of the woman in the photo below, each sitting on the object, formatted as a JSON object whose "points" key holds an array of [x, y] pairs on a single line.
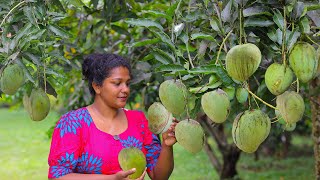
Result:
{"points": [[86, 142]]}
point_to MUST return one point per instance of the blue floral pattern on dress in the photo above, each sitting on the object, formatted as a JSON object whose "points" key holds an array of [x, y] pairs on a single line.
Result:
{"points": [[89, 165], [66, 164], [131, 142], [153, 152], [70, 122]]}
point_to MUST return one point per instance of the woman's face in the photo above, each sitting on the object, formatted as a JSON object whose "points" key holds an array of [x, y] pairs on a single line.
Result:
{"points": [[115, 88]]}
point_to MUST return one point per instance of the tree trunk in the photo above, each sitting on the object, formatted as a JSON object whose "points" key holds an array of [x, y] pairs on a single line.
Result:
{"points": [[230, 159], [315, 110], [230, 153]]}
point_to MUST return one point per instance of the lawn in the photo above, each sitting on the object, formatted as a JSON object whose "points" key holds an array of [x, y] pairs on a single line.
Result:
{"points": [[25, 146]]}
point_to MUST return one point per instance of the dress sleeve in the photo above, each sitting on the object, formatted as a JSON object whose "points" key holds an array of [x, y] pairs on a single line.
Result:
{"points": [[152, 145], [65, 147]]}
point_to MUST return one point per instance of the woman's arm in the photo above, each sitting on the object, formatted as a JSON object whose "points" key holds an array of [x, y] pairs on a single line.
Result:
{"points": [[165, 164]]}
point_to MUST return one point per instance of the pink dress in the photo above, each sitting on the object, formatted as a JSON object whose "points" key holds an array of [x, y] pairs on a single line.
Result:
{"points": [[78, 146]]}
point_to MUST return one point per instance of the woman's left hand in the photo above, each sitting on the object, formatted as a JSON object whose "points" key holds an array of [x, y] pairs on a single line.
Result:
{"points": [[169, 137]]}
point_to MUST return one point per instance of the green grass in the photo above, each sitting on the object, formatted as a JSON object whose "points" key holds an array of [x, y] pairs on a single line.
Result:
{"points": [[25, 147]]}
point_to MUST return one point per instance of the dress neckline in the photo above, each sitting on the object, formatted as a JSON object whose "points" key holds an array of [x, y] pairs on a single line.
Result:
{"points": [[115, 136]]}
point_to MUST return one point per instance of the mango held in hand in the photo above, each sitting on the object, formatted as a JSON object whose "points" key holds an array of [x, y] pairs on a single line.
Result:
{"points": [[250, 129], [159, 118], [173, 95], [190, 135], [132, 157], [242, 61], [12, 79], [291, 106], [37, 105], [303, 61], [278, 78], [216, 105]]}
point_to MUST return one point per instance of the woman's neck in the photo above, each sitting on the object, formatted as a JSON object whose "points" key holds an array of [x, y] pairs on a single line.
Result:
{"points": [[106, 113]]}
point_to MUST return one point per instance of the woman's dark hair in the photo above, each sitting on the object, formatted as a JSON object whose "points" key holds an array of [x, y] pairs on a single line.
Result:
{"points": [[96, 67]]}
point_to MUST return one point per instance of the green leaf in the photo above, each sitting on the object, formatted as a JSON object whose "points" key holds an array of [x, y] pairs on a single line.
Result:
{"points": [[208, 69], [170, 67], [223, 75], [215, 24], [184, 37], [199, 89], [304, 25], [162, 56], [58, 4], [58, 31], [26, 71], [76, 3], [278, 19], [158, 14], [34, 58], [163, 37], [145, 42], [28, 11], [256, 10], [257, 22], [172, 8], [144, 23], [272, 35], [226, 12], [202, 36], [292, 39]]}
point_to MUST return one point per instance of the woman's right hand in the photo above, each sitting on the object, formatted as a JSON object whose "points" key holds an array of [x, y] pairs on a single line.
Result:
{"points": [[123, 175]]}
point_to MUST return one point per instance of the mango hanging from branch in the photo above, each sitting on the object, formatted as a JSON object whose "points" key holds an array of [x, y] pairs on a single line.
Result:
{"points": [[303, 61], [278, 78], [242, 61]]}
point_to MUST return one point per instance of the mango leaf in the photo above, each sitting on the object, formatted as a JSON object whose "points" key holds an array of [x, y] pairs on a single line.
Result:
{"points": [[193, 16], [58, 31], [34, 58], [226, 12], [170, 67], [162, 56], [26, 71], [158, 14], [256, 10], [272, 35], [120, 29], [257, 22], [304, 25], [58, 4], [279, 36], [223, 75], [171, 10], [144, 23], [315, 17], [47, 87], [145, 42], [208, 69], [184, 37], [163, 37], [215, 24], [54, 73], [278, 19], [241, 2], [28, 11], [214, 85], [199, 89], [292, 39], [297, 10], [202, 36], [76, 3]]}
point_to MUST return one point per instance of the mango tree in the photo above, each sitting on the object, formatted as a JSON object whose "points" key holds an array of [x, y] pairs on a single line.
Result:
{"points": [[252, 51]]}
